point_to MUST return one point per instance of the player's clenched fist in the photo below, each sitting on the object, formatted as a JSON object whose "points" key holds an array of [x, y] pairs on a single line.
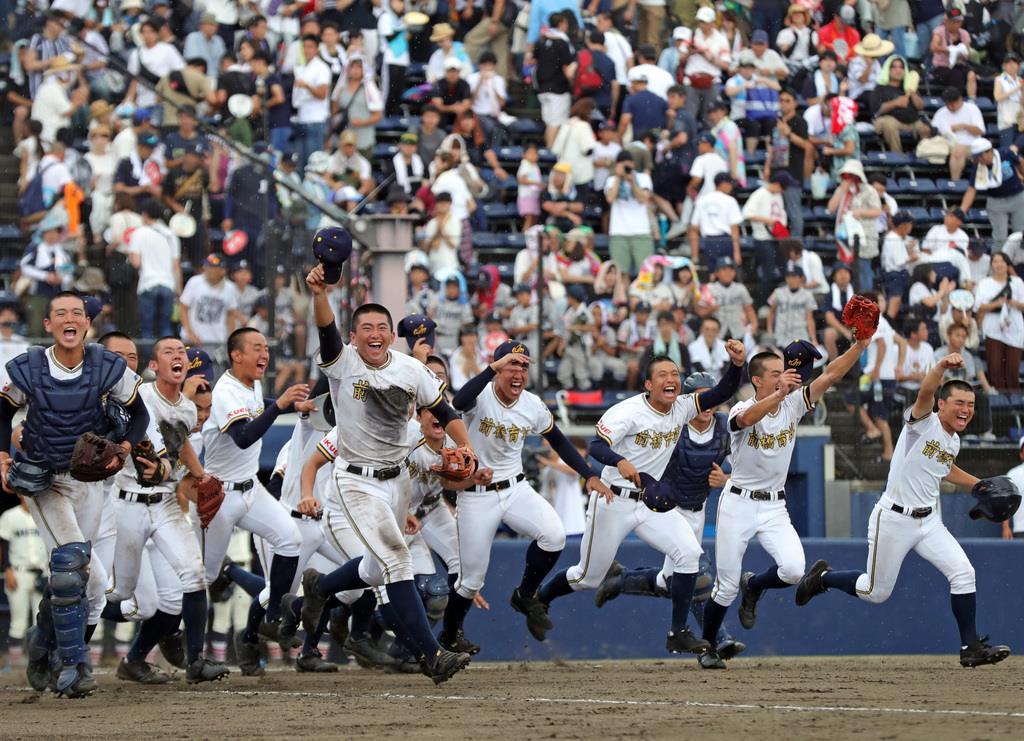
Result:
{"points": [[296, 394], [953, 360], [513, 357], [789, 381], [717, 477], [629, 472], [737, 352], [315, 280]]}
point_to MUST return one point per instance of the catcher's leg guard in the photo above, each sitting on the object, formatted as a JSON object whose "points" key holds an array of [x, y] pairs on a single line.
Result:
{"points": [[434, 590], [69, 574], [644, 582]]}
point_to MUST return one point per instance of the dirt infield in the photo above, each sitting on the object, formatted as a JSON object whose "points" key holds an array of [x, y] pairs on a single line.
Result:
{"points": [[779, 699]]}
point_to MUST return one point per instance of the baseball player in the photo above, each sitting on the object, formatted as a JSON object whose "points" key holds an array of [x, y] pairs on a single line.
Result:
{"points": [[63, 386], [23, 561], [1014, 527], [373, 389], [907, 516], [753, 500], [500, 413], [152, 512], [232, 439], [639, 435], [695, 468]]}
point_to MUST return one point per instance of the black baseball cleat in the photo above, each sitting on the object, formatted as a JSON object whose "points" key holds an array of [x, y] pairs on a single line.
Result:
{"points": [[611, 586], [314, 662], [289, 625], [366, 653], [458, 644], [141, 672], [38, 667], [537, 620], [730, 648], [205, 670], [172, 646], [312, 602], [979, 653], [248, 657], [337, 627], [221, 587], [446, 664], [685, 642], [811, 584], [82, 683], [711, 660], [748, 603]]}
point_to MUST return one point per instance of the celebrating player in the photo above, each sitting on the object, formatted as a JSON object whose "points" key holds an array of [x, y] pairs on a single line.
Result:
{"points": [[907, 517], [500, 413], [64, 387], [639, 435], [753, 502], [373, 389]]}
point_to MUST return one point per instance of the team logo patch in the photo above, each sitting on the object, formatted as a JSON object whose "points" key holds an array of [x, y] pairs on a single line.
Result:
{"points": [[420, 330], [519, 348]]}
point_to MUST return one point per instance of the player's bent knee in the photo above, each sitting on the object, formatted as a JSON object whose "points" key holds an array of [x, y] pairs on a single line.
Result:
{"points": [[791, 571], [552, 540], [962, 580], [876, 596]]}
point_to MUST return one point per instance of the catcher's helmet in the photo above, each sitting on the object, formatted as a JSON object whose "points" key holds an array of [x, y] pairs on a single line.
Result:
{"points": [[998, 499], [699, 380]]}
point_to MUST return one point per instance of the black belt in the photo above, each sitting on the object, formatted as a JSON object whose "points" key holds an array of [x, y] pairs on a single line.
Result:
{"points": [[149, 498], [691, 507], [760, 496], [917, 514], [506, 484], [298, 515], [242, 486], [381, 474], [635, 494]]}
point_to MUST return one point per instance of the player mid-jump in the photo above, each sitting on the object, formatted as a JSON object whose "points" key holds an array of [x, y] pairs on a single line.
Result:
{"points": [[907, 516]]}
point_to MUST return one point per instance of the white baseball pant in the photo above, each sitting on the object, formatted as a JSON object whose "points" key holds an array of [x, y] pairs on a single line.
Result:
{"points": [[441, 534], [253, 510], [70, 512], [608, 524], [891, 536], [22, 601], [696, 522], [231, 613], [477, 517], [741, 519]]}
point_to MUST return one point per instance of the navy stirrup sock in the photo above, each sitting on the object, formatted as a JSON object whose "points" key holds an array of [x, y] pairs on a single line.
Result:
{"points": [[342, 579], [248, 581], [714, 614], [767, 579], [150, 633], [405, 599], [362, 614], [282, 574], [311, 640], [112, 612], [455, 613], [252, 624], [682, 595], [557, 586], [964, 610], [194, 614], [538, 564], [844, 581]]}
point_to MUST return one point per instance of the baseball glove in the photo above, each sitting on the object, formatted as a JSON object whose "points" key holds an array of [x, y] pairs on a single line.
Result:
{"points": [[861, 315], [175, 435], [147, 452], [457, 464], [91, 458], [209, 496]]}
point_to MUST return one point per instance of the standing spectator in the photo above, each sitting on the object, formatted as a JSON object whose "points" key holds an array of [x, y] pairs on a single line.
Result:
{"points": [[12, 344], [395, 60], [927, 16], [972, 372], [855, 199], [708, 163], [618, 47], [658, 80], [915, 358], [248, 207], [185, 137], [25, 559], [156, 253], [837, 336], [241, 277], [891, 22], [310, 93], [651, 21], [531, 183], [731, 302], [715, 225], [999, 301], [489, 95], [555, 72], [950, 48], [642, 110], [430, 133], [839, 36], [450, 180], [43, 48], [150, 61], [102, 165], [997, 173], [707, 57], [55, 102], [606, 97], [468, 359], [541, 10], [48, 264], [707, 352], [877, 400], [897, 106], [790, 151], [728, 141], [574, 145], [442, 237], [209, 308], [628, 192], [1006, 89], [766, 212], [791, 310], [452, 314], [524, 320], [204, 43], [492, 32], [360, 103], [810, 262], [961, 123], [577, 369], [899, 253], [270, 99], [185, 190]]}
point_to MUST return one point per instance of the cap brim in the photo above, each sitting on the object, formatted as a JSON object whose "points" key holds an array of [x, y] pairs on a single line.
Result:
{"points": [[318, 418], [332, 273]]}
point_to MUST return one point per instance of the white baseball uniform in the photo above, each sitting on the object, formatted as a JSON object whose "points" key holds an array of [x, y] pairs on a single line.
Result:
{"points": [[497, 432], [753, 503], [1017, 474], [70, 510], [438, 530], [647, 439], [923, 456], [28, 559], [376, 403], [246, 503]]}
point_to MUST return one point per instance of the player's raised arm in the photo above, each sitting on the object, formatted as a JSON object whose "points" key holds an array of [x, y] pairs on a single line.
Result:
{"points": [[753, 414], [837, 369], [332, 245], [465, 399], [726, 388], [930, 385]]}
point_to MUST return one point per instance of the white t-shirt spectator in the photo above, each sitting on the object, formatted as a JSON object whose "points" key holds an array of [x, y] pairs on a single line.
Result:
{"points": [[916, 360], [309, 109], [1007, 324], [938, 237], [716, 214], [1007, 110], [444, 257], [486, 94], [706, 166], [716, 43], [51, 106], [895, 255], [158, 250], [658, 80], [710, 359], [886, 335], [55, 176], [451, 182], [160, 59], [957, 259], [944, 119], [209, 308], [619, 51], [629, 216], [604, 152], [763, 202]]}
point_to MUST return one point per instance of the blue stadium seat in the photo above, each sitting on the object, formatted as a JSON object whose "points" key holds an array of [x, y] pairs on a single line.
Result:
{"points": [[384, 151], [397, 124], [920, 214], [920, 186], [885, 159], [933, 103], [505, 271], [546, 156], [894, 187], [756, 159], [977, 216], [10, 231], [985, 105], [601, 242], [512, 240], [510, 154], [375, 207], [501, 211], [526, 127], [486, 240], [952, 187]]}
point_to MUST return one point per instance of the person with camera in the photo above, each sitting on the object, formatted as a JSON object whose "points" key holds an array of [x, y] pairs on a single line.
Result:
{"points": [[628, 192], [999, 300]]}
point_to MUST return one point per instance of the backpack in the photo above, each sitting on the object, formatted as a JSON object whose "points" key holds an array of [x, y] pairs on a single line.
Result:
{"points": [[588, 80], [31, 202]]}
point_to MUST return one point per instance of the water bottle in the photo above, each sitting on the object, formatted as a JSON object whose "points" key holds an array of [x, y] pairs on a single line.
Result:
{"points": [[876, 391], [662, 228]]}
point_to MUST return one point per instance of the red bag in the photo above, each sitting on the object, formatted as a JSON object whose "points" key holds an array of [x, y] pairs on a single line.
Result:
{"points": [[702, 81], [779, 230], [588, 81]]}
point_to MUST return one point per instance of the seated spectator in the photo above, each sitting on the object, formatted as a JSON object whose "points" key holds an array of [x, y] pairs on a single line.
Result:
{"points": [[574, 145], [755, 101], [451, 94], [443, 35], [666, 342], [48, 263], [707, 352], [685, 287], [863, 71], [628, 191], [952, 263], [964, 316], [843, 139], [836, 336], [442, 236], [636, 333], [715, 225], [798, 42], [12, 344], [1006, 89], [612, 289], [140, 174], [728, 141], [430, 134], [578, 369], [899, 253], [961, 123], [765, 210], [979, 261], [897, 105], [731, 303], [491, 297], [559, 202], [453, 176], [999, 302], [604, 348], [946, 234], [996, 172], [478, 146], [928, 295], [840, 36], [348, 166], [877, 396], [791, 310], [973, 372], [915, 358], [824, 82], [880, 182], [451, 314], [810, 262], [577, 265], [524, 318], [467, 360], [650, 286], [950, 48], [708, 56], [408, 166], [855, 199]]}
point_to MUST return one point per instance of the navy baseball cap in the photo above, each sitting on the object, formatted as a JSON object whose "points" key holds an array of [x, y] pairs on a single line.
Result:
{"points": [[200, 364], [794, 269], [332, 245], [656, 495], [800, 356], [93, 306], [510, 346], [214, 260], [706, 138], [148, 139], [903, 216], [416, 327]]}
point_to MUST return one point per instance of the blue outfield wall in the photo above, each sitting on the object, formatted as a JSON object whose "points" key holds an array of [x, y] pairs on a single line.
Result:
{"points": [[916, 619]]}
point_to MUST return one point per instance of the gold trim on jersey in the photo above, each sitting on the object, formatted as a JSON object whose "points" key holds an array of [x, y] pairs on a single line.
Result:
{"points": [[874, 555], [376, 367], [807, 398], [696, 403], [232, 421], [550, 426], [328, 456], [498, 398], [599, 434], [13, 403], [236, 379], [135, 393], [336, 359], [53, 356], [651, 407], [438, 400]]}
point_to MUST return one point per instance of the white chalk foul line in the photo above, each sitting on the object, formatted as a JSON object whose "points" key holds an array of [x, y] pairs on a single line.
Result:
{"points": [[620, 702]]}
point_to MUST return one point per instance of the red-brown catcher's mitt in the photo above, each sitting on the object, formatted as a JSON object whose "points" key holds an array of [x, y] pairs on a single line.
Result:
{"points": [[861, 315], [207, 493], [457, 464]]}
